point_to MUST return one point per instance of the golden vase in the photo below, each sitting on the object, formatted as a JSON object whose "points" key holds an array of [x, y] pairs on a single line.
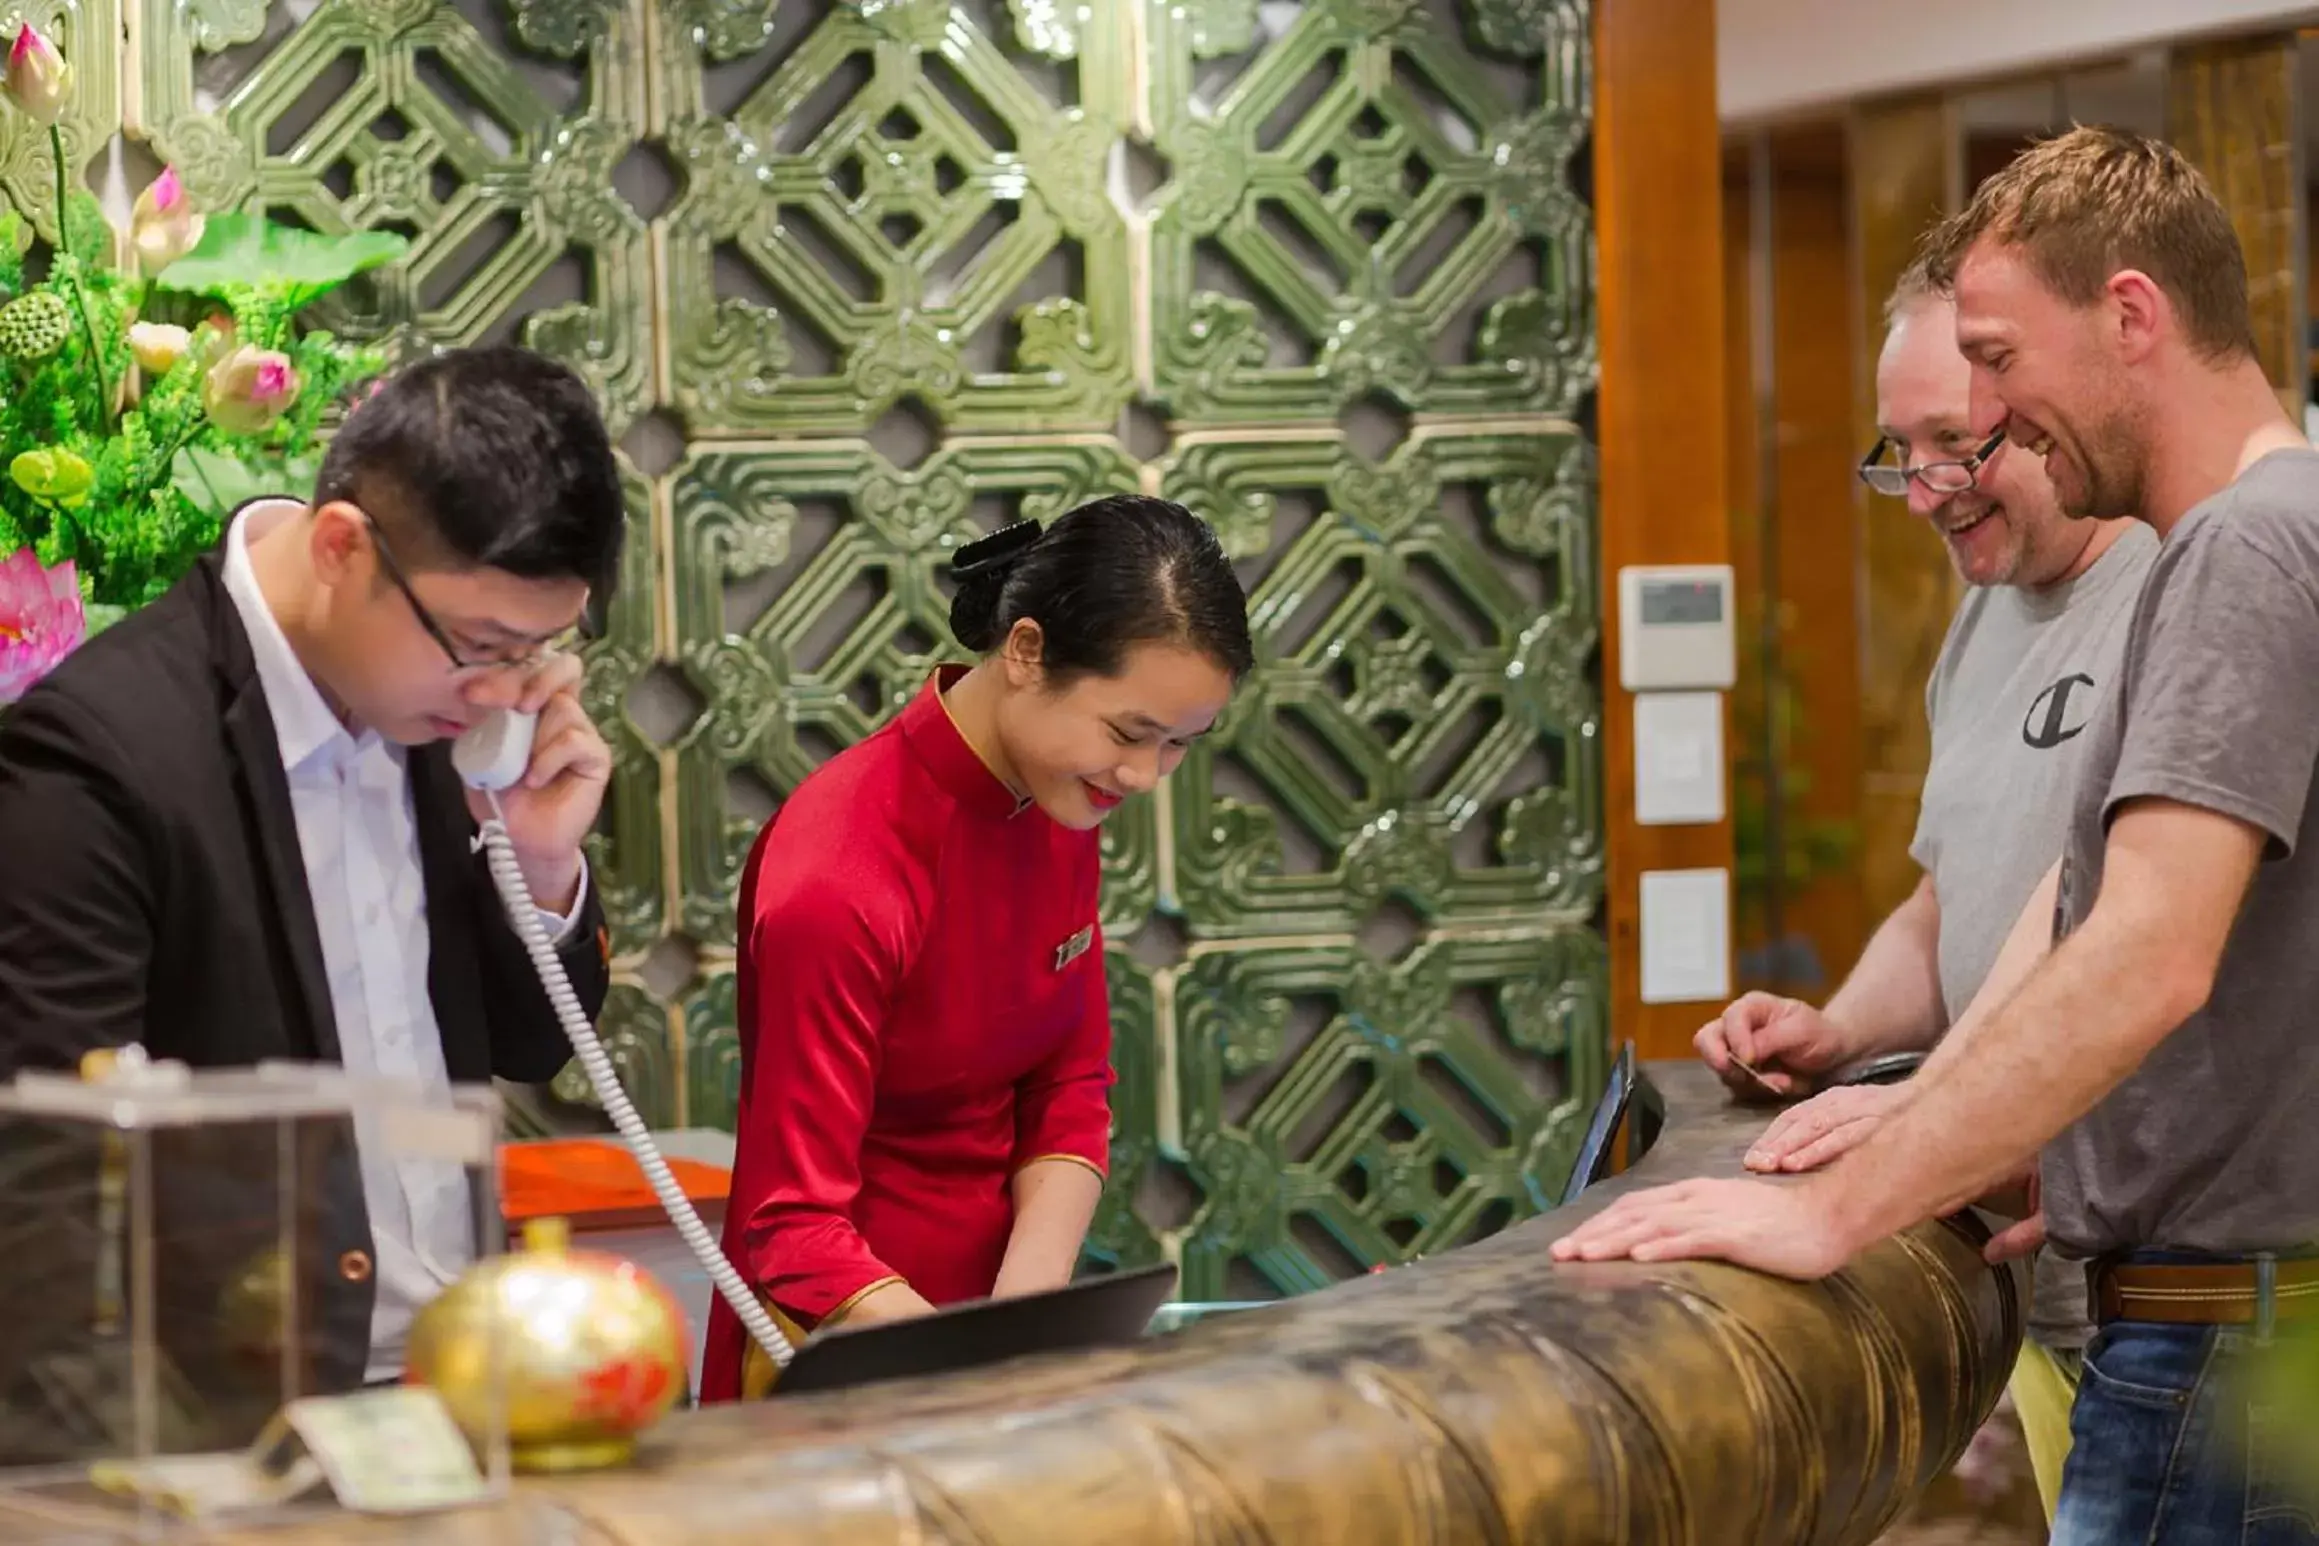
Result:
{"points": [[591, 1349]]}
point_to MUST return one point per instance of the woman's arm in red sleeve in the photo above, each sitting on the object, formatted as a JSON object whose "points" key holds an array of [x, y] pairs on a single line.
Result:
{"points": [[824, 969], [1062, 1147]]}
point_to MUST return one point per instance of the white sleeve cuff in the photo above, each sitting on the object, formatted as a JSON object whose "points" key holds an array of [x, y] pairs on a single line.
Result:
{"points": [[561, 925]]}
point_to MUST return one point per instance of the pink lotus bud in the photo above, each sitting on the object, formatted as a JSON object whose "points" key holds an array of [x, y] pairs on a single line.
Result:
{"points": [[248, 390], [164, 225], [41, 620], [38, 81]]}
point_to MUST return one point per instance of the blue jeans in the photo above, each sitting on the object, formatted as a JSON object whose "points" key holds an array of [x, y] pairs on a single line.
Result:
{"points": [[2160, 1451]]}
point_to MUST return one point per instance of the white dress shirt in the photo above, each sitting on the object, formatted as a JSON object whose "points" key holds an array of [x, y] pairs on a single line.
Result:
{"points": [[352, 801]]}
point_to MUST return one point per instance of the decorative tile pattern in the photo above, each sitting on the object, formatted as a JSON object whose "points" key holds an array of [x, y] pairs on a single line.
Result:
{"points": [[712, 1049], [636, 1031], [1424, 724], [625, 855], [1366, 208], [859, 282], [1120, 1236], [1340, 1111], [489, 139], [895, 213]]}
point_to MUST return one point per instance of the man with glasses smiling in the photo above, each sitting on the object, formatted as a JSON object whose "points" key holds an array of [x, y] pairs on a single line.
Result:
{"points": [[2034, 642], [231, 827], [2142, 1057]]}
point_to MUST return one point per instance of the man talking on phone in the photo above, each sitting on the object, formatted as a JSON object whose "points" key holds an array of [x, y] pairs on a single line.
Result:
{"points": [[230, 826]]}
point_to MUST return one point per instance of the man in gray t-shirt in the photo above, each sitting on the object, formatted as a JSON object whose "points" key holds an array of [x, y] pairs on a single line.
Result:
{"points": [[2031, 651], [2021, 674], [2212, 1143], [2153, 1069]]}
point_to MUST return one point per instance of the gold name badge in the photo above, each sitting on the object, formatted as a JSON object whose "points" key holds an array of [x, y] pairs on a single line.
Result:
{"points": [[1074, 947]]}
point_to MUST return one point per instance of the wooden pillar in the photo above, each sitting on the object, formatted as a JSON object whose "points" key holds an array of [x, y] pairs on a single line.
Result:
{"points": [[2234, 108], [1904, 177], [1659, 301]]}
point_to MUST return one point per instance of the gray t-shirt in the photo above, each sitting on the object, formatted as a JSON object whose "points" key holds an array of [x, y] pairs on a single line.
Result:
{"points": [[2019, 676], [2211, 1144]]}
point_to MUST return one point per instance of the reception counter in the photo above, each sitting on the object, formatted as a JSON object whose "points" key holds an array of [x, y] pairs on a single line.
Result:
{"points": [[1486, 1395]]}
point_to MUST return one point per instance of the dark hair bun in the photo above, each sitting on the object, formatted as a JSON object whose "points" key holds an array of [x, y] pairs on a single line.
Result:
{"points": [[1118, 571], [981, 569]]}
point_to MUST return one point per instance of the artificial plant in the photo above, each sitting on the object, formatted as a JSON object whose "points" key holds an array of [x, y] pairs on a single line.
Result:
{"points": [[140, 403]]}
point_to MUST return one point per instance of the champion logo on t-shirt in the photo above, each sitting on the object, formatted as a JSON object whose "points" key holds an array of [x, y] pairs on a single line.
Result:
{"points": [[2059, 713]]}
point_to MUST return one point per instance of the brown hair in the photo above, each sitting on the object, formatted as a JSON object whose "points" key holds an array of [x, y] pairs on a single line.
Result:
{"points": [[2083, 205]]}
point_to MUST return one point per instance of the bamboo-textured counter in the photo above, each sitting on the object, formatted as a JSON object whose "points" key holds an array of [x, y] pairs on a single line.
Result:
{"points": [[1481, 1396]]}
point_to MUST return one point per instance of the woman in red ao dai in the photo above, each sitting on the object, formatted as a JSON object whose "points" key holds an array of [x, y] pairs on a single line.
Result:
{"points": [[925, 1029]]}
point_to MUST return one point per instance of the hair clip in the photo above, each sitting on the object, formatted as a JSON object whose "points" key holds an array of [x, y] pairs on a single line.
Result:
{"points": [[996, 553]]}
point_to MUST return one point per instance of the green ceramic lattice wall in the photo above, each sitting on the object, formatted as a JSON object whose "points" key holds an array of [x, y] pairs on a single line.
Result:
{"points": [[859, 281]]}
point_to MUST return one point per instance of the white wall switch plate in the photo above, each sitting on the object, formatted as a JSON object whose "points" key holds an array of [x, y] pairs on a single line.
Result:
{"points": [[1678, 758], [1686, 918]]}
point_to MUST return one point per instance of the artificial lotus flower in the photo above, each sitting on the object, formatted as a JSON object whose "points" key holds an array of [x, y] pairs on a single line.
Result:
{"points": [[158, 346], [54, 476], [38, 80], [41, 620], [247, 390], [163, 224]]}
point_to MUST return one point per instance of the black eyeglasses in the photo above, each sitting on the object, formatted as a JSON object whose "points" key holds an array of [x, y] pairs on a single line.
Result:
{"points": [[524, 662], [1940, 477]]}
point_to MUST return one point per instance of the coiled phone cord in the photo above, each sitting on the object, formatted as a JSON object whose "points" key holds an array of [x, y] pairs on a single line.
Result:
{"points": [[524, 916]]}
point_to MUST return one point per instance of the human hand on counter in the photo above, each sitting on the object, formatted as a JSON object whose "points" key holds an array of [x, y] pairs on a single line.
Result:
{"points": [[1793, 1231], [1830, 1124]]}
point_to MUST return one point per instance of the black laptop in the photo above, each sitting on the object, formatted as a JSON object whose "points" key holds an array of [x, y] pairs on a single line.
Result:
{"points": [[1107, 1311]]}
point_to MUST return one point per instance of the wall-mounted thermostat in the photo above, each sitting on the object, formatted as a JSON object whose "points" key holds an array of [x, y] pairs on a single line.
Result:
{"points": [[1675, 627]]}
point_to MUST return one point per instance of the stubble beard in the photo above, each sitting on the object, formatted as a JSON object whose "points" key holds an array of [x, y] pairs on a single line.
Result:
{"points": [[2114, 464]]}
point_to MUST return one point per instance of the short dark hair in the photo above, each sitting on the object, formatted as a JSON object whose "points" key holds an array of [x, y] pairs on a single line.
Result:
{"points": [[492, 458], [1114, 573], [2083, 205]]}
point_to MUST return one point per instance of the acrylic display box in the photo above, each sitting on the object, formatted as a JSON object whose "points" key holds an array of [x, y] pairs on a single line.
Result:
{"points": [[185, 1267]]}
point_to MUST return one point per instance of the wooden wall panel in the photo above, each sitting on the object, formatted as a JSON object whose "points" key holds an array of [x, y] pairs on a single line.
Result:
{"points": [[2234, 107], [1904, 176], [1756, 917], [1660, 304], [1796, 757], [1815, 564]]}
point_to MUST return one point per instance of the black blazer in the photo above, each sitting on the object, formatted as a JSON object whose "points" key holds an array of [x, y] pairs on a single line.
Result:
{"points": [[152, 890]]}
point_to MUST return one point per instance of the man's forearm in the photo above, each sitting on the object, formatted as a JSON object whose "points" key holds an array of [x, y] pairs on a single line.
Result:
{"points": [[1891, 1002], [1989, 1101]]}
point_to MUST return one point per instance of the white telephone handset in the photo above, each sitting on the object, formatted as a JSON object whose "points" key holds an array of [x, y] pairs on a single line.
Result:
{"points": [[496, 750], [494, 755]]}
